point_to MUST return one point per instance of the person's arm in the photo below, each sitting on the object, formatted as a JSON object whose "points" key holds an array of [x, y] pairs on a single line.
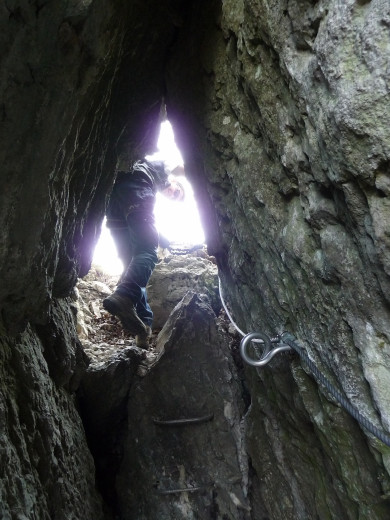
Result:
{"points": [[157, 170]]}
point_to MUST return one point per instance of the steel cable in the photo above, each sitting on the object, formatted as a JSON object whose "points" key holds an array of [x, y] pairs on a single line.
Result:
{"points": [[368, 425], [289, 340]]}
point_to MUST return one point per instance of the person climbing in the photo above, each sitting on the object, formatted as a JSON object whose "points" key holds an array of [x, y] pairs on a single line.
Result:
{"points": [[130, 219]]}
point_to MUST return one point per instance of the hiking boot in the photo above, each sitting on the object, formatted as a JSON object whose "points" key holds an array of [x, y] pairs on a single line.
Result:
{"points": [[142, 339], [123, 307]]}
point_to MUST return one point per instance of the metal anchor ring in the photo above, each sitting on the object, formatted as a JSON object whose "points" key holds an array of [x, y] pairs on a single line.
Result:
{"points": [[268, 351], [266, 345]]}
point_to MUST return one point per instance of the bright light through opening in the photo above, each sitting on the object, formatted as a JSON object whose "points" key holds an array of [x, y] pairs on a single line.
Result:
{"points": [[178, 222]]}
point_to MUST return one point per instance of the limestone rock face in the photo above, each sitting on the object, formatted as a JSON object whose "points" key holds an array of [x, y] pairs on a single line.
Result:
{"points": [[290, 128], [281, 111], [173, 277]]}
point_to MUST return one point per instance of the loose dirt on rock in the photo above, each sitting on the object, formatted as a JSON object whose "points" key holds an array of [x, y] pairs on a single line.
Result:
{"points": [[101, 334]]}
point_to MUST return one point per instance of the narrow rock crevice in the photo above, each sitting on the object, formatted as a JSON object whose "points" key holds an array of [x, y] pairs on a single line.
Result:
{"points": [[281, 112]]}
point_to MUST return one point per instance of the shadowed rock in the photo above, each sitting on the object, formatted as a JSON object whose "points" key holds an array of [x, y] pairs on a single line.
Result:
{"points": [[184, 454]]}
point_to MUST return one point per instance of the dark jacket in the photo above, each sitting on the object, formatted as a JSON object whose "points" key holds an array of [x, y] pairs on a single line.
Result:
{"points": [[154, 171], [134, 192]]}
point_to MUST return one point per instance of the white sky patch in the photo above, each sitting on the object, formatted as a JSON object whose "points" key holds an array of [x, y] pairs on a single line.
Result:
{"points": [[178, 222], [105, 255]]}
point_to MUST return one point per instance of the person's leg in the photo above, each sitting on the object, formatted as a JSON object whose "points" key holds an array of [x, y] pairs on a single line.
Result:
{"points": [[120, 304], [144, 243], [122, 240]]}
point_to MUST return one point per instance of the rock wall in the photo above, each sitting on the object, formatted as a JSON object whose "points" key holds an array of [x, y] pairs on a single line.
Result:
{"points": [[73, 74], [47, 470], [288, 146], [281, 111]]}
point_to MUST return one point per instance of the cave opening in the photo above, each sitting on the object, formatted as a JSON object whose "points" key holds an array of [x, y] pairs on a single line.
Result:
{"points": [[179, 224]]}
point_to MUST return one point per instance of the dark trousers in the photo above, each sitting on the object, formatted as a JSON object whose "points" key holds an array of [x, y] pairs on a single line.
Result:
{"points": [[136, 241]]}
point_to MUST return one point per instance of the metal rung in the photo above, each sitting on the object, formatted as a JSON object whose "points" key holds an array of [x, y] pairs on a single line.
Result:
{"points": [[184, 422], [184, 490]]}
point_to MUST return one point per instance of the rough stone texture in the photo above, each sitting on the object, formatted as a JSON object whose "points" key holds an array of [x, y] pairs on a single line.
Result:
{"points": [[103, 398], [173, 277], [290, 128], [194, 378], [47, 469], [72, 76], [65, 104], [101, 334], [281, 111]]}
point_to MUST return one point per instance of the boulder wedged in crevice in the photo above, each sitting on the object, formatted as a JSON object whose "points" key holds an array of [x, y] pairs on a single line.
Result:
{"points": [[184, 453], [174, 276]]}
